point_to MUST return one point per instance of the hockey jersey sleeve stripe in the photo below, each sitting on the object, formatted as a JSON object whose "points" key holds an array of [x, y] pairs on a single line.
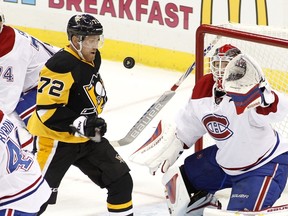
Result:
{"points": [[27, 113], [28, 142], [23, 193], [119, 206], [260, 160]]}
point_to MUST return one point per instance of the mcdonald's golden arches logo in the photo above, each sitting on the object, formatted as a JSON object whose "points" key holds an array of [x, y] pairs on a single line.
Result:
{"points": [[234, 11]]}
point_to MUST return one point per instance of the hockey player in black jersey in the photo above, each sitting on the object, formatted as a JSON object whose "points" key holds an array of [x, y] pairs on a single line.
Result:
{"points": [[66, 124]]}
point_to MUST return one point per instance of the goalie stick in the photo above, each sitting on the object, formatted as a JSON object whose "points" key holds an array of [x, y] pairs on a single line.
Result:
{"points": [[281, 210], [155, 108]]}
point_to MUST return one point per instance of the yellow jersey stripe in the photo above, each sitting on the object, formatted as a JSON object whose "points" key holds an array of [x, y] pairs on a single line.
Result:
{"points": [[119, 206]]}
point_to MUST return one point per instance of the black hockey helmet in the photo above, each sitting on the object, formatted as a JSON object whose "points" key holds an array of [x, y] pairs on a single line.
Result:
{"points": [[83, 25]]}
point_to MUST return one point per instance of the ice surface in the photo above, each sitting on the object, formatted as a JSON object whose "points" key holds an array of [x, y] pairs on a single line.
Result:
{"points": [[130, 93]]}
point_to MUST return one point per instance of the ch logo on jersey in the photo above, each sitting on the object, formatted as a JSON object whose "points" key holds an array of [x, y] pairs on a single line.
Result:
{"points": [[96, 94], [217, 126]]}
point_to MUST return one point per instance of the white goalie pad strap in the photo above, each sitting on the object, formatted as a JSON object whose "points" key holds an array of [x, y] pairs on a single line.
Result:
{"points": [[162, 148], [241, 81], [177, 197]]}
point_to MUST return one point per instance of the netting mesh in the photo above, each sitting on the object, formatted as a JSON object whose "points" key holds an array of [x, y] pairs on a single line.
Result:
{"points": [[272, 59]]}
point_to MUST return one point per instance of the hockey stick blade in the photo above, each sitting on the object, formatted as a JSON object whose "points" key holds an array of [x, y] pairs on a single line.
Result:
{"points": [[281, 210], [158, 105], [145, 119]]}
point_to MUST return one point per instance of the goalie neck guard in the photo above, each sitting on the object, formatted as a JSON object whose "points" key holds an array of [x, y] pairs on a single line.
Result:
{"points": [[222, 56]]}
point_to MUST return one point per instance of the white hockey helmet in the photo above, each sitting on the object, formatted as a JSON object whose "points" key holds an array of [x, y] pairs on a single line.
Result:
{"points": [[2, 20], [221, 57]]}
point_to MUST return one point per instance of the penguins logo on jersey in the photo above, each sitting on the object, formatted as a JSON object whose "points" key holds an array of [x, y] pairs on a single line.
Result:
{"points": [[217, 126], [97, 95]]}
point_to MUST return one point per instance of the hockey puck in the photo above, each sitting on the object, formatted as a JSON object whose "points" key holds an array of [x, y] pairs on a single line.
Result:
{"points": [[129, 62]]}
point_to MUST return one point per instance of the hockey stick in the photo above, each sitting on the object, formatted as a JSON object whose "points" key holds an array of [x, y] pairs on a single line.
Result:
{"points": [[155, 108], [275, 211]]}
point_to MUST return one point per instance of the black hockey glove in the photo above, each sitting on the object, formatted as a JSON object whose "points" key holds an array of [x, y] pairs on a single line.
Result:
{"points": [[95, 124], [89, 126]]}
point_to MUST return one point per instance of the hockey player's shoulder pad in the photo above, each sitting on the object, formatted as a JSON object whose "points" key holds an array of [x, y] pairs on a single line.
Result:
{"points": [[7, 35], [204, 87], [62, 62]]}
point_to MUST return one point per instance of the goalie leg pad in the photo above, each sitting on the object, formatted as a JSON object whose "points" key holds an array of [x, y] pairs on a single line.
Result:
{"points": [[163, 148], [177, 196], [178, 199]]}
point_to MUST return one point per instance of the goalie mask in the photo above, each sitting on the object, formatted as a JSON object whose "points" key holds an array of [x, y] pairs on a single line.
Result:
{"points": [[222, 56]]}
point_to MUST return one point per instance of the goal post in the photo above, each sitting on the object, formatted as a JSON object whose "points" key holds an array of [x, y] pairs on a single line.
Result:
{"points": [[269, 47]]}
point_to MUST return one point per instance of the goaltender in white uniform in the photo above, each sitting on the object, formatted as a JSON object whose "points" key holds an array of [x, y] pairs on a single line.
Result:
{"points": [[236, 108], [21, 59], [22, 188]]}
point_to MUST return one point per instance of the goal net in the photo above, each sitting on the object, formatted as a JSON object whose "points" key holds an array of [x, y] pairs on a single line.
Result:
{"points": [[267, 45]]}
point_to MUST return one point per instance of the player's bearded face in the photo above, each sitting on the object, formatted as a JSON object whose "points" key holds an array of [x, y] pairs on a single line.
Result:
{"points": [[89, 46]]}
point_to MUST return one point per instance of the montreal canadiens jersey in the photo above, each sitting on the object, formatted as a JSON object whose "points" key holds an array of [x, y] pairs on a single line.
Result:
{"points": [[21, 59], [22, 186], [245, 141]]}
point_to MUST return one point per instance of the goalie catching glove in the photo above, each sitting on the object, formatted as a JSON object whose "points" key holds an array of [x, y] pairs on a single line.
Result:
{"points": [[91, 127], [161, 150], [245, 83]]}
